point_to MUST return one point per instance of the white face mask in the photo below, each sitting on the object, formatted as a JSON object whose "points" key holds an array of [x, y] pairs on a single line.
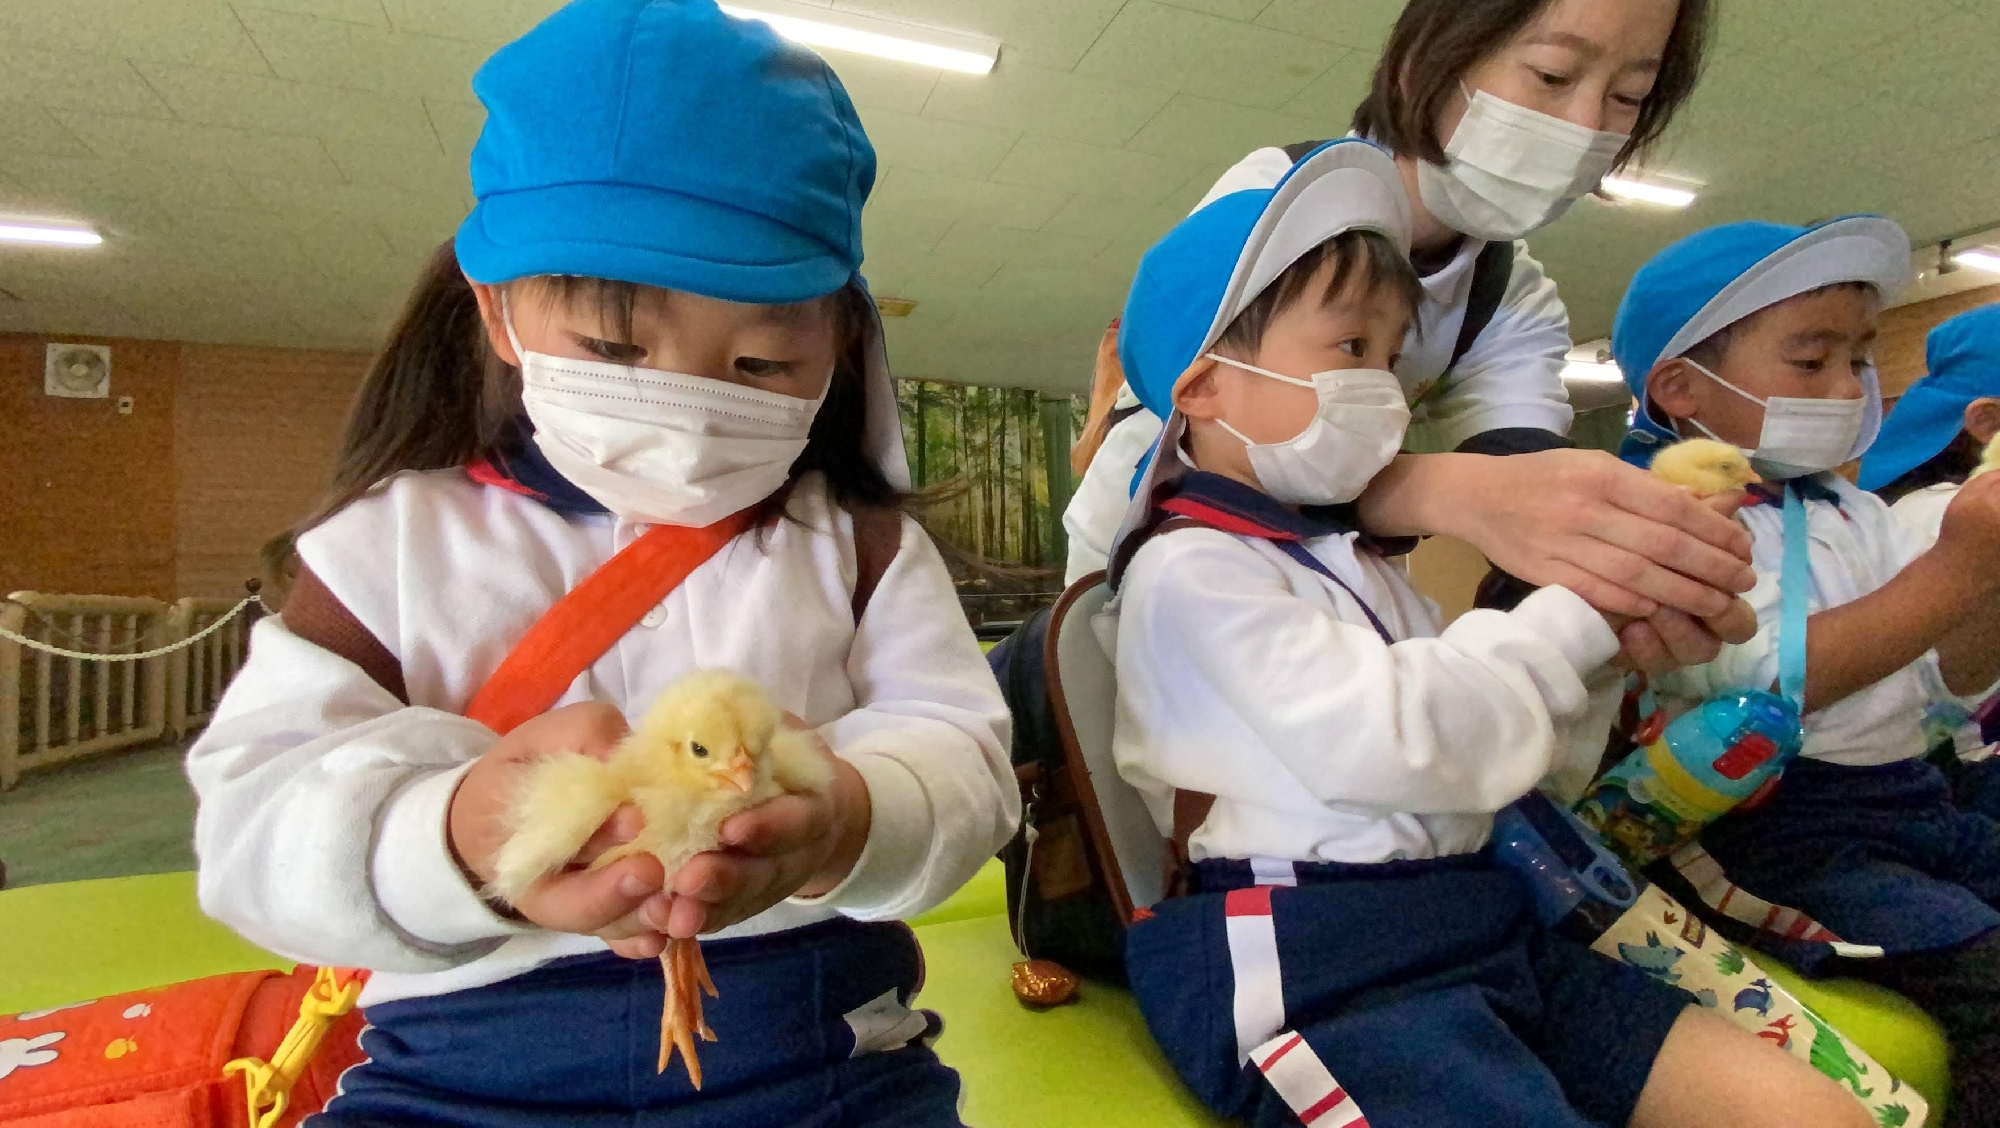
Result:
{"points": [[1800, 436], [1509, 170], [657, 446], [1355, 431]]}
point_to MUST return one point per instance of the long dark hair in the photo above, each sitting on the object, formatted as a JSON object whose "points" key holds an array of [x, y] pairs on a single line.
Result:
{"points": [[1435, 42], [436, 397], [1953, 465]]}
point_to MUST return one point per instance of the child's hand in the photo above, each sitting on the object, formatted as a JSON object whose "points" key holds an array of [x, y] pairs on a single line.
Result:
{"points": [[1668, 640], [1970, 535], [794, 845], [605, 903]]}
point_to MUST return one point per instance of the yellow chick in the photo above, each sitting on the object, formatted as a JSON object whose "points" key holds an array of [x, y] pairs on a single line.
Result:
{"points": [[711, 745], [1990, 460], [1705, 467]]}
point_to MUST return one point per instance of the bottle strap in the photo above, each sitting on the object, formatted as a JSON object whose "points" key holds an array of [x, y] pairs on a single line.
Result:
{"points": [[1794, 584]]}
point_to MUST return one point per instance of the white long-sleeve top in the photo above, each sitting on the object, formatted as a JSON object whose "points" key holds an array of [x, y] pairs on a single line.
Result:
{"points": [[1511, 377], [1245, 675], [1855, 547], [1919, 516], [321, 830]]}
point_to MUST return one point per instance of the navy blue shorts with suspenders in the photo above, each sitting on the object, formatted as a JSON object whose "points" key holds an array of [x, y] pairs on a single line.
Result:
{"points": [[813, 1026], [1402, 994]]}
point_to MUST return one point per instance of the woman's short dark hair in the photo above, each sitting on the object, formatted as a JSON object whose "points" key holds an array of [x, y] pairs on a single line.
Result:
{"points": [[1435, 42]]}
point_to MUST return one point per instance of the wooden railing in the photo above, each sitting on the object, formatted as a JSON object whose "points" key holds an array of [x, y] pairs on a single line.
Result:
{"points": [[58, 707], [195, 682]]}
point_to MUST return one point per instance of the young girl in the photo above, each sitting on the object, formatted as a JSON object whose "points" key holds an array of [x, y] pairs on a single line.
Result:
{"points": [[1929, 445], [659, 321]]}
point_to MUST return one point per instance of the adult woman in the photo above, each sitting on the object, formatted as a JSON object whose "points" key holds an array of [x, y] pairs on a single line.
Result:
{"points": [[1502, 114]]}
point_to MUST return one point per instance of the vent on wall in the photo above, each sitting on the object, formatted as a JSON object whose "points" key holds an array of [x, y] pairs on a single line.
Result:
{"points": [[77, 371]]}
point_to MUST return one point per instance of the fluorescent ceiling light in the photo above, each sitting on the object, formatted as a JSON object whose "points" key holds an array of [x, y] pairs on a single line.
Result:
{"points": [[1982, 259], [1648, 193], [49, 235], [887, 39], [1591, 373]]}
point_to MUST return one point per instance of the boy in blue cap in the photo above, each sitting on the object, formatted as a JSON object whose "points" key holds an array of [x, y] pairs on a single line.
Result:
{"points": [[1760, 335], [650, 343], [1930, 444], [1326, 763]]}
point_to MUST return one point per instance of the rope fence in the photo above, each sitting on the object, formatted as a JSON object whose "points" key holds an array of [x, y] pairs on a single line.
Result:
{"points": [[86, 674]]}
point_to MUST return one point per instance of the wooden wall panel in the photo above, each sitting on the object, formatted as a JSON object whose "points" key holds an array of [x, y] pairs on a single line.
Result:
{"points": [[254, 437], [87, 494], [1899, 351]]}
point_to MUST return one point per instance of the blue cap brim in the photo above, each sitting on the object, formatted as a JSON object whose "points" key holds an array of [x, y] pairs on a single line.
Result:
{"points": [[649, 237], [1925, 421]]}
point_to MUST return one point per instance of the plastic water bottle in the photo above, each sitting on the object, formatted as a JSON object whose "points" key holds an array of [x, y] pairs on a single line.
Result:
{"points": [[1704, 764]]}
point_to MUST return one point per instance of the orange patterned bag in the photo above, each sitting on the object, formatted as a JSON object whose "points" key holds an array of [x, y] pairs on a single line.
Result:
{"points": [[229, 1051]]}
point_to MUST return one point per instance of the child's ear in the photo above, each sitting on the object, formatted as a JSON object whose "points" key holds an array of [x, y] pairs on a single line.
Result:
{"points": [[1195, 393], [1671, 386], [1982, 418], [493, 317]]}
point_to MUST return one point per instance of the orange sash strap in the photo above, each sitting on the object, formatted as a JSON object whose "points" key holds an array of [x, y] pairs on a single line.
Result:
{"points": [[590, 620]]}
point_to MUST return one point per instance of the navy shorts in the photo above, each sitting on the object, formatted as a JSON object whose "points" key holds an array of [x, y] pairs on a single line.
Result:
{"points": [[1880, 855], [813, 1026], [1422, 994]]}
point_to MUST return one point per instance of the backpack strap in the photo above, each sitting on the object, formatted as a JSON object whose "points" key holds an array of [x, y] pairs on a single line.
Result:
{"points": [[1297, 150], [1491, 273], [315, 614], [592, 617], [878, 537]]}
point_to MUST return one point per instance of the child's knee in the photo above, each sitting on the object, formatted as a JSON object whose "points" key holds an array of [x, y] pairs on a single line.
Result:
{"points": [[1712, 1073]]}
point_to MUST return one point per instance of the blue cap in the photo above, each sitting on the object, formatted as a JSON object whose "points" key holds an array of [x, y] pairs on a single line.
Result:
{"points": [[1963, 356], [1194, 282], [1715, 278], [664, 143]]}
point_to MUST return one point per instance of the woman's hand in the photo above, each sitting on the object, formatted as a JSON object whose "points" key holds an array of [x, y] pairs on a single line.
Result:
{"points": [[606, 903], [793, 845], [1627, 542]]}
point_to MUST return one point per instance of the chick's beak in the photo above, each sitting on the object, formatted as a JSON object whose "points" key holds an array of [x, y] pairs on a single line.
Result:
{"points": [[739, 772]]}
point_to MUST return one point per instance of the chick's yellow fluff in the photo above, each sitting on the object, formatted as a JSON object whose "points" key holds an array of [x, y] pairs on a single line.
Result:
{"points": [[1991, 459], [1705, 467], [711, 745]]}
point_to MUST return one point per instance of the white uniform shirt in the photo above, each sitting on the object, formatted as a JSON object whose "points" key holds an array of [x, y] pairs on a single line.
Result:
{"points": [[321, 830], [1248, 676], [1511, 377], [1919, 515], [1855, 548]]}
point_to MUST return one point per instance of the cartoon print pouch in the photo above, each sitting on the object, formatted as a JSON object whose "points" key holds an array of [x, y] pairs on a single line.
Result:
{"points": [[178, 1056]]}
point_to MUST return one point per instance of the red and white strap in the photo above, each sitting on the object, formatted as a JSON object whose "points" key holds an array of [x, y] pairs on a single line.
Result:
{"points": [[1302, 1081], [1703, 872], [1253, 960]]}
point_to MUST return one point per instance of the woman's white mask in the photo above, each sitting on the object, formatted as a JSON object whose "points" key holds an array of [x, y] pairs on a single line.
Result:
{"points": [[1509, 170]]}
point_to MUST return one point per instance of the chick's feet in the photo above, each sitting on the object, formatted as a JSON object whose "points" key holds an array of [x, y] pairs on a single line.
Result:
{"points": [[680, 1017]]}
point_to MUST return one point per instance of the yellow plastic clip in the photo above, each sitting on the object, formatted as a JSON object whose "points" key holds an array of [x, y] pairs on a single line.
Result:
{"points": [[268, 1085]]}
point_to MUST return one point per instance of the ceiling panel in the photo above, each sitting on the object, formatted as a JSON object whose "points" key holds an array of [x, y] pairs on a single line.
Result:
{"points": [[1153, 44], [203, 33], [74, 80], [1052, 103], [275, 170]]}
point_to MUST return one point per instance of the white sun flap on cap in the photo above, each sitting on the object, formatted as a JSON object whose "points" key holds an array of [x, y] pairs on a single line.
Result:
{"points": [[1867, 249], [1167, 465], [1346, 186], [882, 437]]}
